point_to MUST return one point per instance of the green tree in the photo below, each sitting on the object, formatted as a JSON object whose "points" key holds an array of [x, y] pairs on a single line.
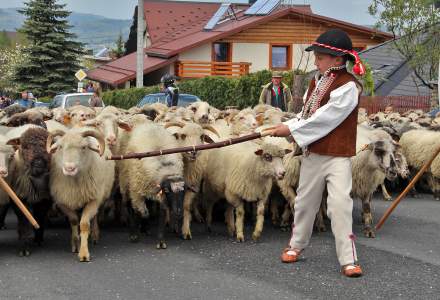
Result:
{"points": [[119, 50], [53, 55], [416, 26], [131, 43]]}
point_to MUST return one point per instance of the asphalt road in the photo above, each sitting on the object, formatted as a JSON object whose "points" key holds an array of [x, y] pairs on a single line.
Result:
{"points": [[402, 262]]}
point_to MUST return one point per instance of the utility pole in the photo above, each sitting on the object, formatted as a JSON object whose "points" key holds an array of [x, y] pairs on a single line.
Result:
{"points": [[140, 46]]}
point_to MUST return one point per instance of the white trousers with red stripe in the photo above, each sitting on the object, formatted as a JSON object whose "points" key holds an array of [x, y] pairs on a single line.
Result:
{"points": [[318, 172]]}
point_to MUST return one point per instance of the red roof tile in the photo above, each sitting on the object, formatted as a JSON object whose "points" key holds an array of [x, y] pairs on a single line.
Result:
{"points": [[124, 68]]}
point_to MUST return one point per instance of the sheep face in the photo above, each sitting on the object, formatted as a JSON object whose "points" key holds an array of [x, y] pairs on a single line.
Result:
{"points": [[382, 156], [33, 151], [201, 111], [108, 124], [401, 163], [6, 156], [174, 192], [80, 114], [271, 161], [190, 135], [74, 151]]}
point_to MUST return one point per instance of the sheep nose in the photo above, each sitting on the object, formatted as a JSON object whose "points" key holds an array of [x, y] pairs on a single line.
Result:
{"points": [[70, 167], [204, 117], [3, 172], [111, 140], [281, 174]]}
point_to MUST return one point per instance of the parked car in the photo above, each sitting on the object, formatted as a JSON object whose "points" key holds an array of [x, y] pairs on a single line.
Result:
{"points": [[69, 100], [39, 103], [184, 99]]}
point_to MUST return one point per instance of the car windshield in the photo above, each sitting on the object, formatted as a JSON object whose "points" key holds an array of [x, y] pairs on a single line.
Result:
{"points": [[78, 100], [184, 99]]}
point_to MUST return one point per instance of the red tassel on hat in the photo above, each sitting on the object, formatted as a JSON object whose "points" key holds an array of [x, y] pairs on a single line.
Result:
{"points": [[358, 68]]}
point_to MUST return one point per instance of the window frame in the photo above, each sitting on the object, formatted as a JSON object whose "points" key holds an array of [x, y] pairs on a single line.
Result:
{"points": [[289, 56], [229, 58]]}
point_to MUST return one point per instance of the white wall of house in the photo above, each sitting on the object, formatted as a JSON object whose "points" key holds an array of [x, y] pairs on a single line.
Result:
{"points": [[202, 53], [255, 53], [301, 59]]}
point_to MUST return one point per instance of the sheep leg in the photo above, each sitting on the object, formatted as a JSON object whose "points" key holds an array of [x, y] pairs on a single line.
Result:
{"points": [[3, 213], [196, 211], [40, 210], [94, 233], [385, 193], [290, 195], [161, 244], [260, 221], [434, 184], [239, 220], [89, 212], [229, 219], [24, 229], [73, 220], [274, 212], [367, 217], [320, 216], [133, 223], [187, 205], [285, 217]]}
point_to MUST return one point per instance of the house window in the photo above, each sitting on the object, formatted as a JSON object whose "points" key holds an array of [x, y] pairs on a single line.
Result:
{"points": [[280, 57], [221, 52]]}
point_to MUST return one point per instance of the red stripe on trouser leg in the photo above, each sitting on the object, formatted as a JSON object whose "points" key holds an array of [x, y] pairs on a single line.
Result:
{"points": [[352, 238]]}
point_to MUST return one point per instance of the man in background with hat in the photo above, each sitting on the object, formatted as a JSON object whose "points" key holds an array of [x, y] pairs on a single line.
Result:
{"points": [[277, 93], [326, 131]]}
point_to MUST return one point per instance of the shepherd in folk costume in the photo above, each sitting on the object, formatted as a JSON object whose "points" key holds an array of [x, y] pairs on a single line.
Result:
{"points": [[326, 130]]}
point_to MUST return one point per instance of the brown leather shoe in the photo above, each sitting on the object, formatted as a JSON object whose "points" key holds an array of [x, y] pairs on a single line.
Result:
{"points": [[290, 255], [352, 270]]}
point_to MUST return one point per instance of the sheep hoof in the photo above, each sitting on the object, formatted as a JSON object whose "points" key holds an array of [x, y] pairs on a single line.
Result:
{"points": [[24, 253], [240, 238], [134, 238], [161, 245], [369, 233], [84, 258], [321, 228], [187, 236], [256, 236]]}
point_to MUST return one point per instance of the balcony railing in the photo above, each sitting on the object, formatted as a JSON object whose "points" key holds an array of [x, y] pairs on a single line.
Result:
{"points": [[198, 69]]}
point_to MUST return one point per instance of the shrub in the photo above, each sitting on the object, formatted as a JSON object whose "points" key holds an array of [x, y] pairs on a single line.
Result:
{"points": [[217, 91]]}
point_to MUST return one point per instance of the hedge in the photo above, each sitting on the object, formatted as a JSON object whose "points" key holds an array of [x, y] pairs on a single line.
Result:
{"points": [[217, 91]]}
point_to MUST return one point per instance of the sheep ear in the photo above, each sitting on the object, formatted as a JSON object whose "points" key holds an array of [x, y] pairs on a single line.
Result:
{"points": [[125, 126], [207, 139], [67, 120], [259, 152], [287, 151], [15, 143], [176, 135]]}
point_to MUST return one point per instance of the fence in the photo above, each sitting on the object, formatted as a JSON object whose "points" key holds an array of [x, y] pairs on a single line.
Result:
{"points": [[399, 103], [378, 103], [199, 69]]}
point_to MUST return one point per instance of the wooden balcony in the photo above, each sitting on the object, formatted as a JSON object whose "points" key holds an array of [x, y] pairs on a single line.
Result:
{"points": [[198, 69]]}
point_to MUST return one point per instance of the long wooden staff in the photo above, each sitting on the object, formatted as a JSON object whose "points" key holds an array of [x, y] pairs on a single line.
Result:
{"points": [[245, 138], [5, 186], [406, 190]]}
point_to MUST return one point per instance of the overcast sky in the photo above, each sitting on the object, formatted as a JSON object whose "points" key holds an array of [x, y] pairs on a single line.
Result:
{"points": [[354, 11]]}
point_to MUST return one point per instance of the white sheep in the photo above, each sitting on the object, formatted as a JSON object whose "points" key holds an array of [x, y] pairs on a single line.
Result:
{"points": [[157, 178], [242, 172], [418, 146], [80, 178], [191, 134]]}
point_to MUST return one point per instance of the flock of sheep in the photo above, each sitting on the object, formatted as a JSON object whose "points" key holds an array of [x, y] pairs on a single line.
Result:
{"points": [[55, 160]]}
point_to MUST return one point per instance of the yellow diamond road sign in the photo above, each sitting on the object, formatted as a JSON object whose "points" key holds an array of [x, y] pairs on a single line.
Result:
{"points": [[80, 75]]}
